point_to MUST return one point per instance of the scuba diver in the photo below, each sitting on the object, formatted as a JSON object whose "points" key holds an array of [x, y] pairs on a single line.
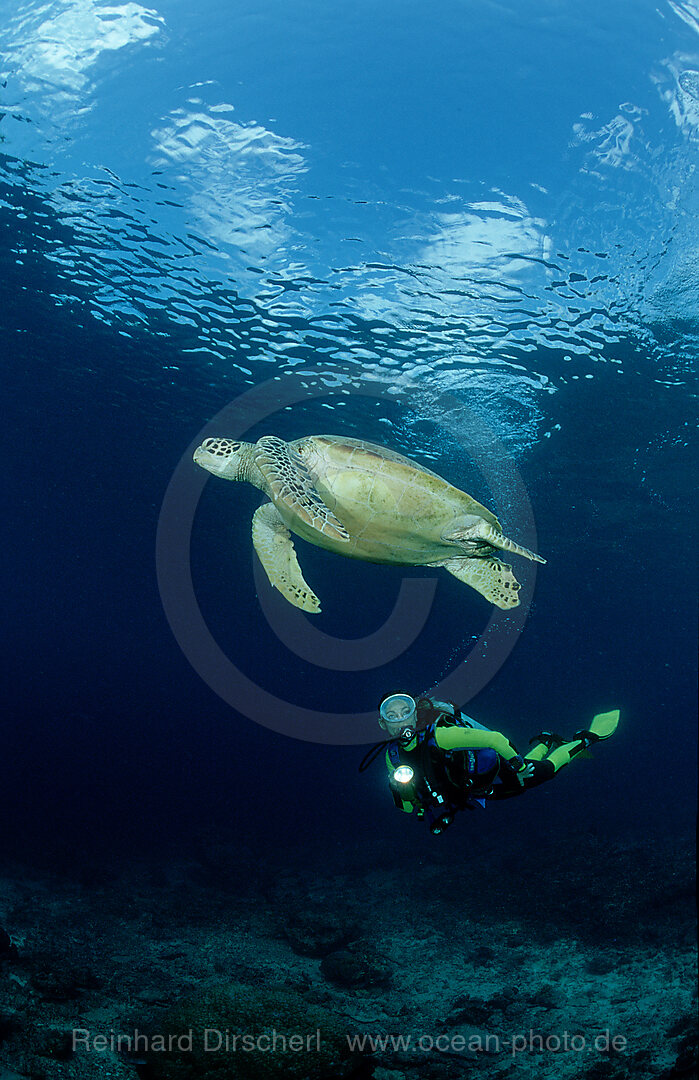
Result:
{"points": [[440, 761]]}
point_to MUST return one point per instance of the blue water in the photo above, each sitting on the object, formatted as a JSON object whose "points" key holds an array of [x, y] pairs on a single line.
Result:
{"points": [[486, 210]]}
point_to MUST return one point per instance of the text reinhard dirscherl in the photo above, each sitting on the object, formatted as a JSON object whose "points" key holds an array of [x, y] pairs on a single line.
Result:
{"points": [[211, 1040], [217, 1040]]}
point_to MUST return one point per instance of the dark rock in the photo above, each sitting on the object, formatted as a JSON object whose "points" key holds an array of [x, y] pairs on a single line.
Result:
{"points": [[9, 1026], [686, 1065], [7, 949], [684, 1026], [469, 1010], [318, 996], [600, 965], [546, 996], [504, 1000], [36, 1071], [55, 980], [357, 966], [318, 931], [239, 1011], [607, 1070], [57, 1044]]}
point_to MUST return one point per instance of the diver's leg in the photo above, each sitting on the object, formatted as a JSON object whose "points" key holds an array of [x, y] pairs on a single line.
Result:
{"points": [[547, 761], [563, 755], [602, 727], [548, 741]]}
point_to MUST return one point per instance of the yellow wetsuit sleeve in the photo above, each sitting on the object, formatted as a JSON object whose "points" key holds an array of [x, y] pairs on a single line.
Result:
{"points": [[463, 738]]}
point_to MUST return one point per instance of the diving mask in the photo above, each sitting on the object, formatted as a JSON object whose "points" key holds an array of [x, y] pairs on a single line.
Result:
{"points": [[396, 713]]}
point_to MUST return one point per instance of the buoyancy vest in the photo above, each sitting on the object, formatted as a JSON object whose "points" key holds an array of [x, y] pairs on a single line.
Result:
{"points": [[443, 780]]}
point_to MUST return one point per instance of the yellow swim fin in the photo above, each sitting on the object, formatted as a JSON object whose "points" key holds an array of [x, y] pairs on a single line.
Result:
{"points": [[605, 724]]}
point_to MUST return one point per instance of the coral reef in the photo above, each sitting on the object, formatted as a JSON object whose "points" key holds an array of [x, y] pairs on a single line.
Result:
{"points": [[590, 978]]}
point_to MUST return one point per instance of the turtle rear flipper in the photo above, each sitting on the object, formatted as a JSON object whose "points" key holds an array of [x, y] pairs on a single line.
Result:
{"points": [[482, 531], [290, 482], [491, 578], [274, 546]]}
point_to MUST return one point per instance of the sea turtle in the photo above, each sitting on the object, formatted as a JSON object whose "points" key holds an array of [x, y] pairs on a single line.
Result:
{"points": [[364, 501]]}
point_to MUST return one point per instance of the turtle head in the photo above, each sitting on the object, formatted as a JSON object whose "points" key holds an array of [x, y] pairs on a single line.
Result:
{"points": [[227, 458]]}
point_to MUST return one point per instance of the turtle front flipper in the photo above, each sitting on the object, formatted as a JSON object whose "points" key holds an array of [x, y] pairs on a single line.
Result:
{"points": [[290, 482], [274, 546], [483, 532], [491, 578]]}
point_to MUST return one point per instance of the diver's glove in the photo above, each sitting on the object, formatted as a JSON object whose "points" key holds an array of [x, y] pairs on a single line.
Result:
{"points": [[526, 773], [524, 770]]}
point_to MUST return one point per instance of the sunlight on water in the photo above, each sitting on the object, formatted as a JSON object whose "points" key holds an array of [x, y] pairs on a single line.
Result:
{"points": [[170, 203]]}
